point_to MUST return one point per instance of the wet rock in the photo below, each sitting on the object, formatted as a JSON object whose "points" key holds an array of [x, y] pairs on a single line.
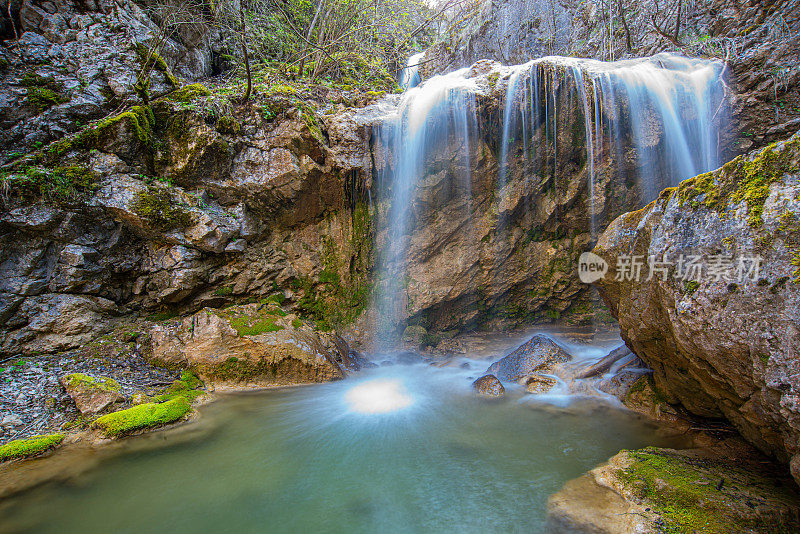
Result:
{"points": [[414, 334], [91, 395], [537, 355], [537, 384], [722, 343], [244, 347], [488, 386]]}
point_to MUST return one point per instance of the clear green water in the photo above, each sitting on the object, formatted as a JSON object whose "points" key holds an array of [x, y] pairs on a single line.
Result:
{"points": [[309, 460]]}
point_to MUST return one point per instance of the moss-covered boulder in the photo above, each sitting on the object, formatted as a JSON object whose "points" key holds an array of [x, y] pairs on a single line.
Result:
{"points": [[718, 323], [251, 345], [143, 416], [33, 446], [91, 395], [670, 491]]}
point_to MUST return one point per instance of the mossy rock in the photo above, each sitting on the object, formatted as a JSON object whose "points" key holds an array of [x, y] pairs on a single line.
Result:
{"points": [[24, 448], [693, 493], [157, 207], [188, 93], [149, 415]]}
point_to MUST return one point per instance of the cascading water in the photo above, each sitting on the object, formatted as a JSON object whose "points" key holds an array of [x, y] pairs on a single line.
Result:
{"points": [[409, 77], [645, 124], [667, 108], [427, 116]]}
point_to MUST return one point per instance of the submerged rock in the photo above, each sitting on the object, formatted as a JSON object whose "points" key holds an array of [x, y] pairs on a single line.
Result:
{"points": [[722, 341], [665, 490], [249, 346], [489, 386], [91, 395], [537, 355]]}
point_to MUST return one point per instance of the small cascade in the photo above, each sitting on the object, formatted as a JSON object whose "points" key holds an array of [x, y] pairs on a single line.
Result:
{"points": [[663, 114], [409, 76], [441, 112]]}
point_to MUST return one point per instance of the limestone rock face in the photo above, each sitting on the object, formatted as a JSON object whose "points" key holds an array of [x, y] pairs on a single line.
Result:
{"points": [[725, 344], [91, 395], [244, 346], [538, 355], [488, 386]]}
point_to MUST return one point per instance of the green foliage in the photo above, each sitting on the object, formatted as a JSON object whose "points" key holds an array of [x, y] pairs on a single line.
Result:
{"points": [[143, 416], [23, 448], [297, 323]]}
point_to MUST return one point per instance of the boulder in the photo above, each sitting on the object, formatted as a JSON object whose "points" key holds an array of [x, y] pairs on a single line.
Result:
{"points": [[91, 395], [664, 490], [247, 346], [538, 355], [488, 386], [723, 341]]}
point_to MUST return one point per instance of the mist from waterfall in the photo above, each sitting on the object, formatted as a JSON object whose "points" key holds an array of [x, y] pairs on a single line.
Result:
{"points": [[654, 121]]}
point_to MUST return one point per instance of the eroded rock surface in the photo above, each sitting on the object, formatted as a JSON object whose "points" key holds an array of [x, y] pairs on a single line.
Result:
{"points": [[528, 362], [91, 395]]}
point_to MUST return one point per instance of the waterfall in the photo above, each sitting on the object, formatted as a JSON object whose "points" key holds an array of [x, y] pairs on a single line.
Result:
{"points": [[440, 112], [635, 126], [409, 76], [667, 108]]}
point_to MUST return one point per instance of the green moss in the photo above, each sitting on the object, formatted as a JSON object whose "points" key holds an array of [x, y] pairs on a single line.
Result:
{"points": [[684, 491], [223, 291], [742, 179], [246, 325], [143, 416], [297, 323], [188, 387], [60, 183], [188, 93], [147, 57], [139, 120], [157, 206], [236, 370], [82, 381], [41, 98], [228, 125], [690, 286], [23, 448]]}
